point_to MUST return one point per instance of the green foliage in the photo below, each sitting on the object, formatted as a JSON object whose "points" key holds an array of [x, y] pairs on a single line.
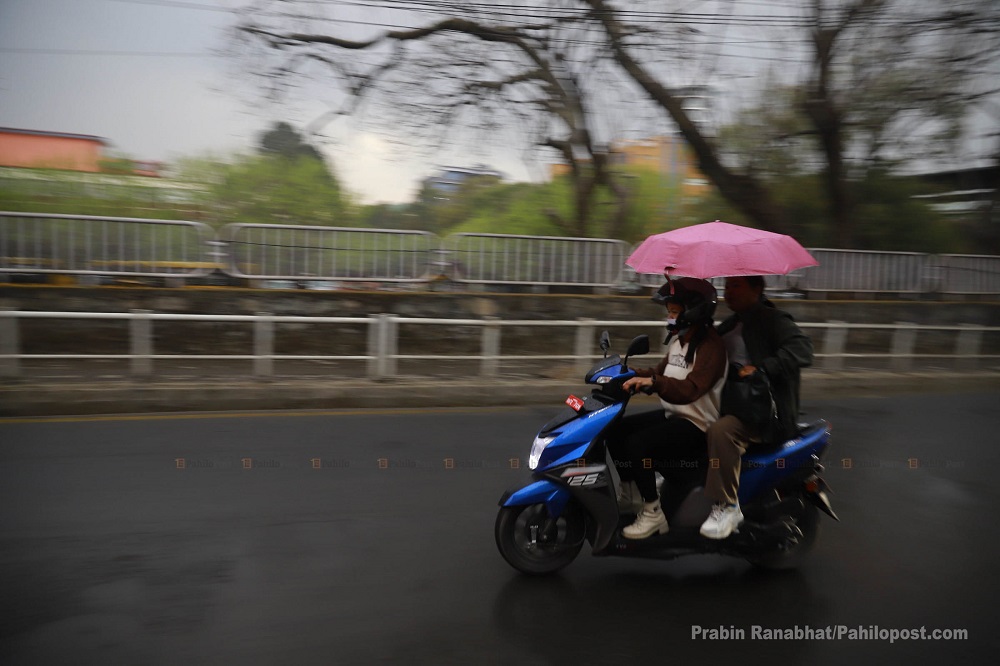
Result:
{"points": [[887, 216], [388, 216], [890, 218], [772, 139], [656, 204], [774, 142], [517, 208], [533, 209], [271, 189], [122, 166], [71, 193]]}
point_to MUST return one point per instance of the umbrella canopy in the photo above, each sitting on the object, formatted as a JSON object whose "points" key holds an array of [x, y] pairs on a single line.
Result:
{"points": [[719, 249]]}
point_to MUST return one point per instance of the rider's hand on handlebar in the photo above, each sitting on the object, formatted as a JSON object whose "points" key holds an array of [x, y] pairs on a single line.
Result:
{"points": [[644, 384]]}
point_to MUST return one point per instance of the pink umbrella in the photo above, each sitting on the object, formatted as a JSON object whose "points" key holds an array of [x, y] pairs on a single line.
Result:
{"points": [[718, 249]]}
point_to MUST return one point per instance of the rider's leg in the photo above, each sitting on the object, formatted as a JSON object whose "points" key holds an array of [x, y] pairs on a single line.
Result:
{"points": [[649, 450], [629, 436]]}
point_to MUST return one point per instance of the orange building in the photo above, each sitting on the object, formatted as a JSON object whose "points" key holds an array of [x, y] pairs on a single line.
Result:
{"points": [[50, 150], [667, 155]]}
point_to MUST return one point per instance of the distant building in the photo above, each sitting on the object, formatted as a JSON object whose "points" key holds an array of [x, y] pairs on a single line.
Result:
{"points": [[448, 179], [148, 168], [50, 150], [46, 171], [668, 156]]}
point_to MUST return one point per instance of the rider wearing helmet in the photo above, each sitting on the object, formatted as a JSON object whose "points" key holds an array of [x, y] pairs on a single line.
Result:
{"points": [[688, 381], [698, 300]]}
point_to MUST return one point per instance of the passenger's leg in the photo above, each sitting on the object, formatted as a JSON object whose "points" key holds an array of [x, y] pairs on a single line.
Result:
{"points": [[727, 441]]}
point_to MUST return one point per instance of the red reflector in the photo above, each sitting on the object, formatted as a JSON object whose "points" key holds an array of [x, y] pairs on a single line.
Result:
{"points": [[812, 486], [575, 403]]}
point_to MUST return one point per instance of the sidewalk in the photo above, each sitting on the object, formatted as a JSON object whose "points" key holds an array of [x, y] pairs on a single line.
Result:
{"points": [[25, 397]]}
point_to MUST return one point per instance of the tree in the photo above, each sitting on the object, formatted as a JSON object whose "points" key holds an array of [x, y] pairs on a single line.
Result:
{"points": [[921, 60], [287, 182], [876, 79], [485, 75], [284, 141], [270, 189]]}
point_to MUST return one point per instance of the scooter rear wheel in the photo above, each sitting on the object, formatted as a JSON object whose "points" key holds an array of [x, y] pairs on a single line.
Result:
{"points": [[792, 556], [534, 544]]}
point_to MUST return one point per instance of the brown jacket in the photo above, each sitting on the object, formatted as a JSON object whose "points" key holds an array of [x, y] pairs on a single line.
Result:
{"points": [[709, 367]]}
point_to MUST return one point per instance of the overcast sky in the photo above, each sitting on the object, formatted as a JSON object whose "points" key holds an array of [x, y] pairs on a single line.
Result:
{"points": [[146, 76]]}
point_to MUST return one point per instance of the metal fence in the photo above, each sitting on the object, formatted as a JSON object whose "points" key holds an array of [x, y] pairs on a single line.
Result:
{"points": [[536, 260], [288, 252], [839, 345], [964, 273], [323, 256], [865, 271], [89, 245]]}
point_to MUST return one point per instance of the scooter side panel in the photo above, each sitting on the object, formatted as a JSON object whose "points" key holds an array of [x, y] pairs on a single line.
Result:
{"points": [[545, 492], [574, 438], [765, 470]]}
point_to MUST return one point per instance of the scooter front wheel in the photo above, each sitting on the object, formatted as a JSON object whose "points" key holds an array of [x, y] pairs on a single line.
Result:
{"points": [[534, 543]]}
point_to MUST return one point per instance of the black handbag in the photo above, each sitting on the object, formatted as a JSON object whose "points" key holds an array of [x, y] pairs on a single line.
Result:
{"points": [[750, 400]]}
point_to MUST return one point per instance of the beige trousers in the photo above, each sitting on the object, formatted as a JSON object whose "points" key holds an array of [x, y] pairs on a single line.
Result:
{"points": [[728, 439]]}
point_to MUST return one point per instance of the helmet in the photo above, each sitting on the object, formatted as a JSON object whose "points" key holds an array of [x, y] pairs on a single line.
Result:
{"points": [[698, 297]]}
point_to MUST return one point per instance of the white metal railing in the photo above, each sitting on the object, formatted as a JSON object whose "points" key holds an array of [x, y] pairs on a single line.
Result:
{"points": [[35, 243], [862, 270], [291, 252], [964, 273], [91, 245], [537, 260], [382, 353]]}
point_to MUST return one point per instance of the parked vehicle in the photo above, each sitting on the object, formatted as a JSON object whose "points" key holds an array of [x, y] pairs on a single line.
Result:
{"points": [[572, 499]]}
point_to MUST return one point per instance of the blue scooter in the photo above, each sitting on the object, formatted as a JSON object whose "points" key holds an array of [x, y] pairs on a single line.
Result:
{"points": [[542, 526]]}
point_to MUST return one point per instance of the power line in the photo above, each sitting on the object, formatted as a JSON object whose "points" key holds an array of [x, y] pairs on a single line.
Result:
{"points": [[175, 3], [90, 52]]}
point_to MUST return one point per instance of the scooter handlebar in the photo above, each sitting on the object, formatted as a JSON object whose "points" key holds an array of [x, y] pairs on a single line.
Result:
{"points": [[648, 390]]}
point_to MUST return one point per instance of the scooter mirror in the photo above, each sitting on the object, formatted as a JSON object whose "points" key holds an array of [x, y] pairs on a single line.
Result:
{"points": [[638, 347], [605, 342]]}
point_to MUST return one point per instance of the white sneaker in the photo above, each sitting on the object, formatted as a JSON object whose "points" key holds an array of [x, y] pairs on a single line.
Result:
{"points": [[649, 520], [629, 498], [723, 520]]}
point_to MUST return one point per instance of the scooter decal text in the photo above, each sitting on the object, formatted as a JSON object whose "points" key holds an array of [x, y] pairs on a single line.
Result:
{"points": [[583, 476]]}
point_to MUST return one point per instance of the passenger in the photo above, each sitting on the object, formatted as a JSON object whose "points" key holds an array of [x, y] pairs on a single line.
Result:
{"points": [[689, 382], [758, 338]]}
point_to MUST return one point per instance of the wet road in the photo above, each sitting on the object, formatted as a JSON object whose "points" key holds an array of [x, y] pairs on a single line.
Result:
{"points": [[360, 538]]}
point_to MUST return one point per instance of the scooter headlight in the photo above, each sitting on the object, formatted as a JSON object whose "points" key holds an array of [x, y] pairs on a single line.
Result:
{"points": [[536, 450]]}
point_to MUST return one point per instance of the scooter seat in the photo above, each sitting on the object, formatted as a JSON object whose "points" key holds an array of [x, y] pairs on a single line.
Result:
{"points": [[801, 430]]}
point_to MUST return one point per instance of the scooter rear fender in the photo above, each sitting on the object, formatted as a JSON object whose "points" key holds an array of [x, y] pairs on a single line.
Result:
{"points": [[796, 457]]}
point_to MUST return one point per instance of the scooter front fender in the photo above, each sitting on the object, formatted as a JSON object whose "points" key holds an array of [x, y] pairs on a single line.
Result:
{"points": [[544, 491]]}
